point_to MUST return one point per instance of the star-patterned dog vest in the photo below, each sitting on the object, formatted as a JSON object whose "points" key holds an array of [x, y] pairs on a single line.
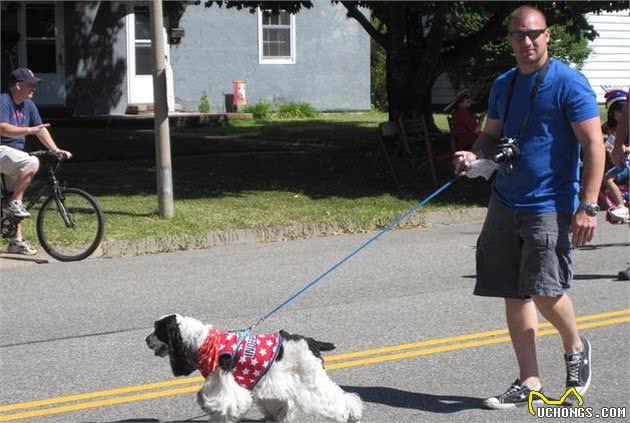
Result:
{"points": [[255, 355]]}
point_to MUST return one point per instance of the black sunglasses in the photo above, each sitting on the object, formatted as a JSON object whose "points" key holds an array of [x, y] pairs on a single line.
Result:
{"points": [[532, 34]]}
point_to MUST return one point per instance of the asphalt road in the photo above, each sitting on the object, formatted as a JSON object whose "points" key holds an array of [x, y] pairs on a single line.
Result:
{"points": [[72, 334]]}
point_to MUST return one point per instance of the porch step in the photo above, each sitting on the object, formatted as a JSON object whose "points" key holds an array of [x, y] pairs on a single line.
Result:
{"points": [[140, 109]]}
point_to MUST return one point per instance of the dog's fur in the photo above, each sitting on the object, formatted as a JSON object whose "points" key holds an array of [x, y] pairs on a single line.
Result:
{"points": [[295, 381]]}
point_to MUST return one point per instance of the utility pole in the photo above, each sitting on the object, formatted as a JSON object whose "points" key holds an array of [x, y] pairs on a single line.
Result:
{"points": [[160, 106]]}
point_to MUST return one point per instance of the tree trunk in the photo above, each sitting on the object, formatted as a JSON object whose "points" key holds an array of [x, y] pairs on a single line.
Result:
{"points": [[396, 63], [413, 62]]}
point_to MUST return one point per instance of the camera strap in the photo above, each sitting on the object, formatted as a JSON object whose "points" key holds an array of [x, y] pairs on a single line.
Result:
{"points": [[539, 79]]}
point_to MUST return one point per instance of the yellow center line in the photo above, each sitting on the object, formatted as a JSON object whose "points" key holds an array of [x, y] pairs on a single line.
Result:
{"points": [[98, 404], [460, 346], [380, 355], [460, 338], [98, 394]]}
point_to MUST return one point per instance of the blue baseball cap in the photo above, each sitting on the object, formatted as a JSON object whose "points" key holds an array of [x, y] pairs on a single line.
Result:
{"points": [[614, 96], [26, 75]]}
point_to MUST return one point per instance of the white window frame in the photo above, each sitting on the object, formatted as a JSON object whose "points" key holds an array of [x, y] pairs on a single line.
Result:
{"points": [[281, 60], [22, 42], [130, 22]]}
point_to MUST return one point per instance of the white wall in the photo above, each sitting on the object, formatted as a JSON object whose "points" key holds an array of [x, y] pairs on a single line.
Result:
{"points": [[443, 91], [609, 61]]}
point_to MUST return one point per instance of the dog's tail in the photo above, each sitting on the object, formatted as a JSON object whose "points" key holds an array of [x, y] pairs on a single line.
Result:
{"points": [[314, 345]]}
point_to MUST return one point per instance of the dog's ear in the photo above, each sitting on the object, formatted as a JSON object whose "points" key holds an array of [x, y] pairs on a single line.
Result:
{"points": [[167, 330]]}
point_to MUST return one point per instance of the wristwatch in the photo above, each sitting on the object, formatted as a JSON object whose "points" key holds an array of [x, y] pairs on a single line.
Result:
{"points": [[590, 208]]}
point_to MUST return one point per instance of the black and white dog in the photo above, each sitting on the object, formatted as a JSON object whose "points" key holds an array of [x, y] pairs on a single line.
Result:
{"points": [[280, 372]]}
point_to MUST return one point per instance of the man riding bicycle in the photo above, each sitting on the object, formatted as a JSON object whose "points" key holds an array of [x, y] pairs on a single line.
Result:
{"points": [[19, 117]]}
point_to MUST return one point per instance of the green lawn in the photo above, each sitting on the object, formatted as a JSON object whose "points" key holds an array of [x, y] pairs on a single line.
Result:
{"points": [[326, 170]]}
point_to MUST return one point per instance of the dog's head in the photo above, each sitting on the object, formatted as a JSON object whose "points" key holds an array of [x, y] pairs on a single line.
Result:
{"points": [[167, 339]]}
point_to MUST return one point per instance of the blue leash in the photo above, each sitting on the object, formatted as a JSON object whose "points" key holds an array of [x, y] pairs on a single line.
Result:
{"points": [[388, 228]]}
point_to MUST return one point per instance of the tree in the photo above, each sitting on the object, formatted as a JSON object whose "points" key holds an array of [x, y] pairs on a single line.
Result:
{"points": [[423, 39], [495, 57]]}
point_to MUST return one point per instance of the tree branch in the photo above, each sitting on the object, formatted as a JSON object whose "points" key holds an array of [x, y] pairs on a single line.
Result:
{"points": [[464, 46], [354, 12]]}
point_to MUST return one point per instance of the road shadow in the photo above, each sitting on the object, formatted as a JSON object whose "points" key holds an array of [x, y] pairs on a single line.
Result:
{"points": [[598, 246], [4, 255], [588, 277], [392, 397]]}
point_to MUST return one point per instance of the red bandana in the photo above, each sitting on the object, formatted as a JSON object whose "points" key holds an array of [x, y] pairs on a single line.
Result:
{"points": [[252, 360]]}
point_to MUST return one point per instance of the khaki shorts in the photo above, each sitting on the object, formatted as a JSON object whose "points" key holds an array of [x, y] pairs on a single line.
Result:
{"points": [[520, 255], [12, 161]]}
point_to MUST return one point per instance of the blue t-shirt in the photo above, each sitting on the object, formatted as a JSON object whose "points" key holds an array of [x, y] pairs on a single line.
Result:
{"points": [[22, 115], [546, 176]]}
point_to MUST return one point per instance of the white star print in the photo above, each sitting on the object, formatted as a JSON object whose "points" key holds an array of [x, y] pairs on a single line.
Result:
{"points": [[269, 343], [246, 371], [254, 361], [243, 359], [256, 373], [263, 352]]}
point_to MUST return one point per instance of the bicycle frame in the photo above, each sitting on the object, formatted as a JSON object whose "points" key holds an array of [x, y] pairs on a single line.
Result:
{"points": [[84, 221], [54, 188], [44, 187]]}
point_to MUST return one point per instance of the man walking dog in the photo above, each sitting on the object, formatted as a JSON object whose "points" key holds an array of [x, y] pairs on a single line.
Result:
{"points": [[540, 114]]}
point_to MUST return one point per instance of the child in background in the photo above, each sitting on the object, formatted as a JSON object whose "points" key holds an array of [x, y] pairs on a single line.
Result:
{"points": [[465, 126], [618, 213]]}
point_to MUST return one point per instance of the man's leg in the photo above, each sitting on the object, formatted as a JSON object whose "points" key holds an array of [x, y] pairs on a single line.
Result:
{"points": [[578, 356], [560, 313], [18, 232], [522, 320], [23, 179], [24, 167]]}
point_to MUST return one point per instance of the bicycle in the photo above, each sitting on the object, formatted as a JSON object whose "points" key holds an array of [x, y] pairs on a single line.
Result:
{"points": [[70, 222]]}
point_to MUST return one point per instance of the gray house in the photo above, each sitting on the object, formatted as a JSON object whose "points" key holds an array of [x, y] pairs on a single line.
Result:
{"points": [[95, 57]]}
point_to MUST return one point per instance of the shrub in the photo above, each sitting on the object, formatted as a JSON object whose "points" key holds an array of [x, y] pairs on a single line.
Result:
{"points": [[262, 110], [204, 104], [297, 111]]}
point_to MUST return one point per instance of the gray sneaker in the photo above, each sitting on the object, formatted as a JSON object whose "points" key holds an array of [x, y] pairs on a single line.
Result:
{"points": [[16, 209], [579, 368], [21, 247], [517, 395]]}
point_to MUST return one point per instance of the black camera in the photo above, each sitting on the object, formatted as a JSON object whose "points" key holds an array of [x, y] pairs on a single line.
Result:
{"points": [[507, 152]]}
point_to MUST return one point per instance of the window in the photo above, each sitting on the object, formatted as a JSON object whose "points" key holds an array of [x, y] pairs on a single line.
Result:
{"points": [[276, 37], [40, 38], [142, 26]]}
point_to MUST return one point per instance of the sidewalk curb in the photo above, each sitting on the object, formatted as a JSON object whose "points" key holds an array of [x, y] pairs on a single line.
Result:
{"points": [[125, 248]]}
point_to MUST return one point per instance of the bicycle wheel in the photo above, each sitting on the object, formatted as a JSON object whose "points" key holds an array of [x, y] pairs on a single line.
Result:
{"points": [[71, 228]]}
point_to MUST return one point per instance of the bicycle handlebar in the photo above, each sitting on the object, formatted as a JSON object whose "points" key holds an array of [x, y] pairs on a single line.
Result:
{"points": [[48, 153]]}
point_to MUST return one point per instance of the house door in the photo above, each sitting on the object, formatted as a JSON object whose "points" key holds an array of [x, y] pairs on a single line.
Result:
{"points": [[140, 58], [40, 48]]}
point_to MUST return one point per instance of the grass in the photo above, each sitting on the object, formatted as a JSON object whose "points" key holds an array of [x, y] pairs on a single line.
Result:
{"points": [[326, 170]]}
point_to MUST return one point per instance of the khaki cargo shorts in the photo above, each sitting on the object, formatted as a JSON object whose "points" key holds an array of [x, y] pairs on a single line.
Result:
{"points": [[12, 161]]}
